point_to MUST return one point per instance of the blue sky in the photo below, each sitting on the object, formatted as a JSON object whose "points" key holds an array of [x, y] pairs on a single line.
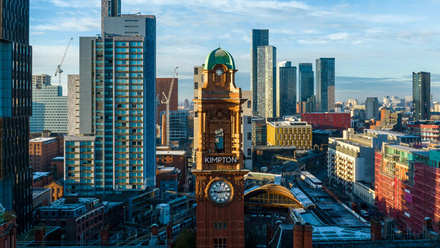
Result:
{"points": [[376, 44]]}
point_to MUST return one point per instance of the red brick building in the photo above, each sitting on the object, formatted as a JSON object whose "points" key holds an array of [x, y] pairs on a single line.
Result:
{"points": [[8, 231], [42, 151], [163, 85], [340, 121], [407, 186], [78, 218]]}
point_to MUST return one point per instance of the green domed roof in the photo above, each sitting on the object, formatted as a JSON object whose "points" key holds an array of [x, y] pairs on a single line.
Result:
{"points": [[219, 56]]}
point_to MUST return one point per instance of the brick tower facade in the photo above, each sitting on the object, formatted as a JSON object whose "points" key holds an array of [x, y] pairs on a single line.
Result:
{"points": [[219, 172]]}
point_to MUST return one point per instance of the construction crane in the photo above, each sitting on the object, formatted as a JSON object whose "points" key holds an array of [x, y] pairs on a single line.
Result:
{"points": [[59, 70], [167, 102]]}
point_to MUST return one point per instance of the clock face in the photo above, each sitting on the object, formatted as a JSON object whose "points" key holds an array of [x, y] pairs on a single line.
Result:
{"points": [[220, 192], [219, 72]]}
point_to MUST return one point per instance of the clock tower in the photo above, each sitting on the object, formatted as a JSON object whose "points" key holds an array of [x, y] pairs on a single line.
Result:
{"points": [[219, 173]]}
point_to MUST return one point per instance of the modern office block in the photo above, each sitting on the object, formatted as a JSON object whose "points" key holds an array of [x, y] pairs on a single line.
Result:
{"points": [[42, 79], [118, 101], [306, 80], [285, 89], [49, 109], [73, 104], [15, 110], [260, 37], [266, 81], [422, 95], [372, 108], [325, 84], [178, 125], [285, 133]]}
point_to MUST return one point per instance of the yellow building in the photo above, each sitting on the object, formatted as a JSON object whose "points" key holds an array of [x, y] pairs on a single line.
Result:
{"points": [[285, 133]]}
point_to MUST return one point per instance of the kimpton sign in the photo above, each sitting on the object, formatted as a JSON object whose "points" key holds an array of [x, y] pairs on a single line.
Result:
{"points": [[227, 160]]}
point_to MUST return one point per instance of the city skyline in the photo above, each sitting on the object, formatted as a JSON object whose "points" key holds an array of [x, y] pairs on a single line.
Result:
{"points": [[374, 43]]}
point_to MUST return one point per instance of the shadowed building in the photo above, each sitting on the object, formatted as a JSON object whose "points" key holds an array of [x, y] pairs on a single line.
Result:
{"points": [[325, 84], [260, 37], [422, 95]]}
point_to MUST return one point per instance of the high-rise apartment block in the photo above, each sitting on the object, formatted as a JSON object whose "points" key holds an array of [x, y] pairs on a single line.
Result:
{"points": [[372, 108], [306, 80], [266, 81], [422, 95], [49, 109], [117, 101], [285, 89], [15, 110], [260, 37], [73, 104], [325, 84]]}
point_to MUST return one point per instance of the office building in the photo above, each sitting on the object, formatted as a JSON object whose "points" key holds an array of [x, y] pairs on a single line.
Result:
{"points": [[260, 37], [325, 84], [246, 127], [49, 109], [73, 104], [285, 89], [15, 110], [286, 133], [372, 108], [117, 106], [306, 80], [266, 81], [163, 87], [422, 95], [178, 126], [42, 79]]}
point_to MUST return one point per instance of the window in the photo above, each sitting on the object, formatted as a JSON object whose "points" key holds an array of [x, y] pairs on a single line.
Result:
{"points": [[249, 136], [249, 152], [219, 141], [219, 243], [196, 71], [249, 104], [196, 86], [249, 120]]}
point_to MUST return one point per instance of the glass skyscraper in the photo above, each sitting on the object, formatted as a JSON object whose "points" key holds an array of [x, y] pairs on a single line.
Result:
{"points": [[119, 111], [305, 75], [15, 110], [286, 89], [49, 109], [260, 37], [325, 84], [422, 95]]}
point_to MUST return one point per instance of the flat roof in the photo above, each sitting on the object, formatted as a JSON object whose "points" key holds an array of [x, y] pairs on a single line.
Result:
{"points": [[39, 174], [41, 139], [171, 152], [59, 204], [79, 138], [410, 149]]}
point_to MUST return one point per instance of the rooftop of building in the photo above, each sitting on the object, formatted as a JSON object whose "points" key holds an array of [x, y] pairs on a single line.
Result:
{"points": [[38, 191], [350, 142], [387, 132], [274, 147], [289, 124], [170, 152], [410, 149], [79, 138], [42, 139], [58, 159], [38, 174], [61, 204]]}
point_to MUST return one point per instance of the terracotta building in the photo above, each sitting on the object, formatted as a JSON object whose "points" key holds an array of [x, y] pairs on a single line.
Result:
{"points": [[220, 169], [42, 151]]}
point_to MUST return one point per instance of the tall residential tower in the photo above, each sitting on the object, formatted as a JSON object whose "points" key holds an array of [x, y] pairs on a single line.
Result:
{"points": [[285, 89], [325, 84], [422, 95], [15, 110], [117, 106], [266, 83], [260, 37], [306, 81]]}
